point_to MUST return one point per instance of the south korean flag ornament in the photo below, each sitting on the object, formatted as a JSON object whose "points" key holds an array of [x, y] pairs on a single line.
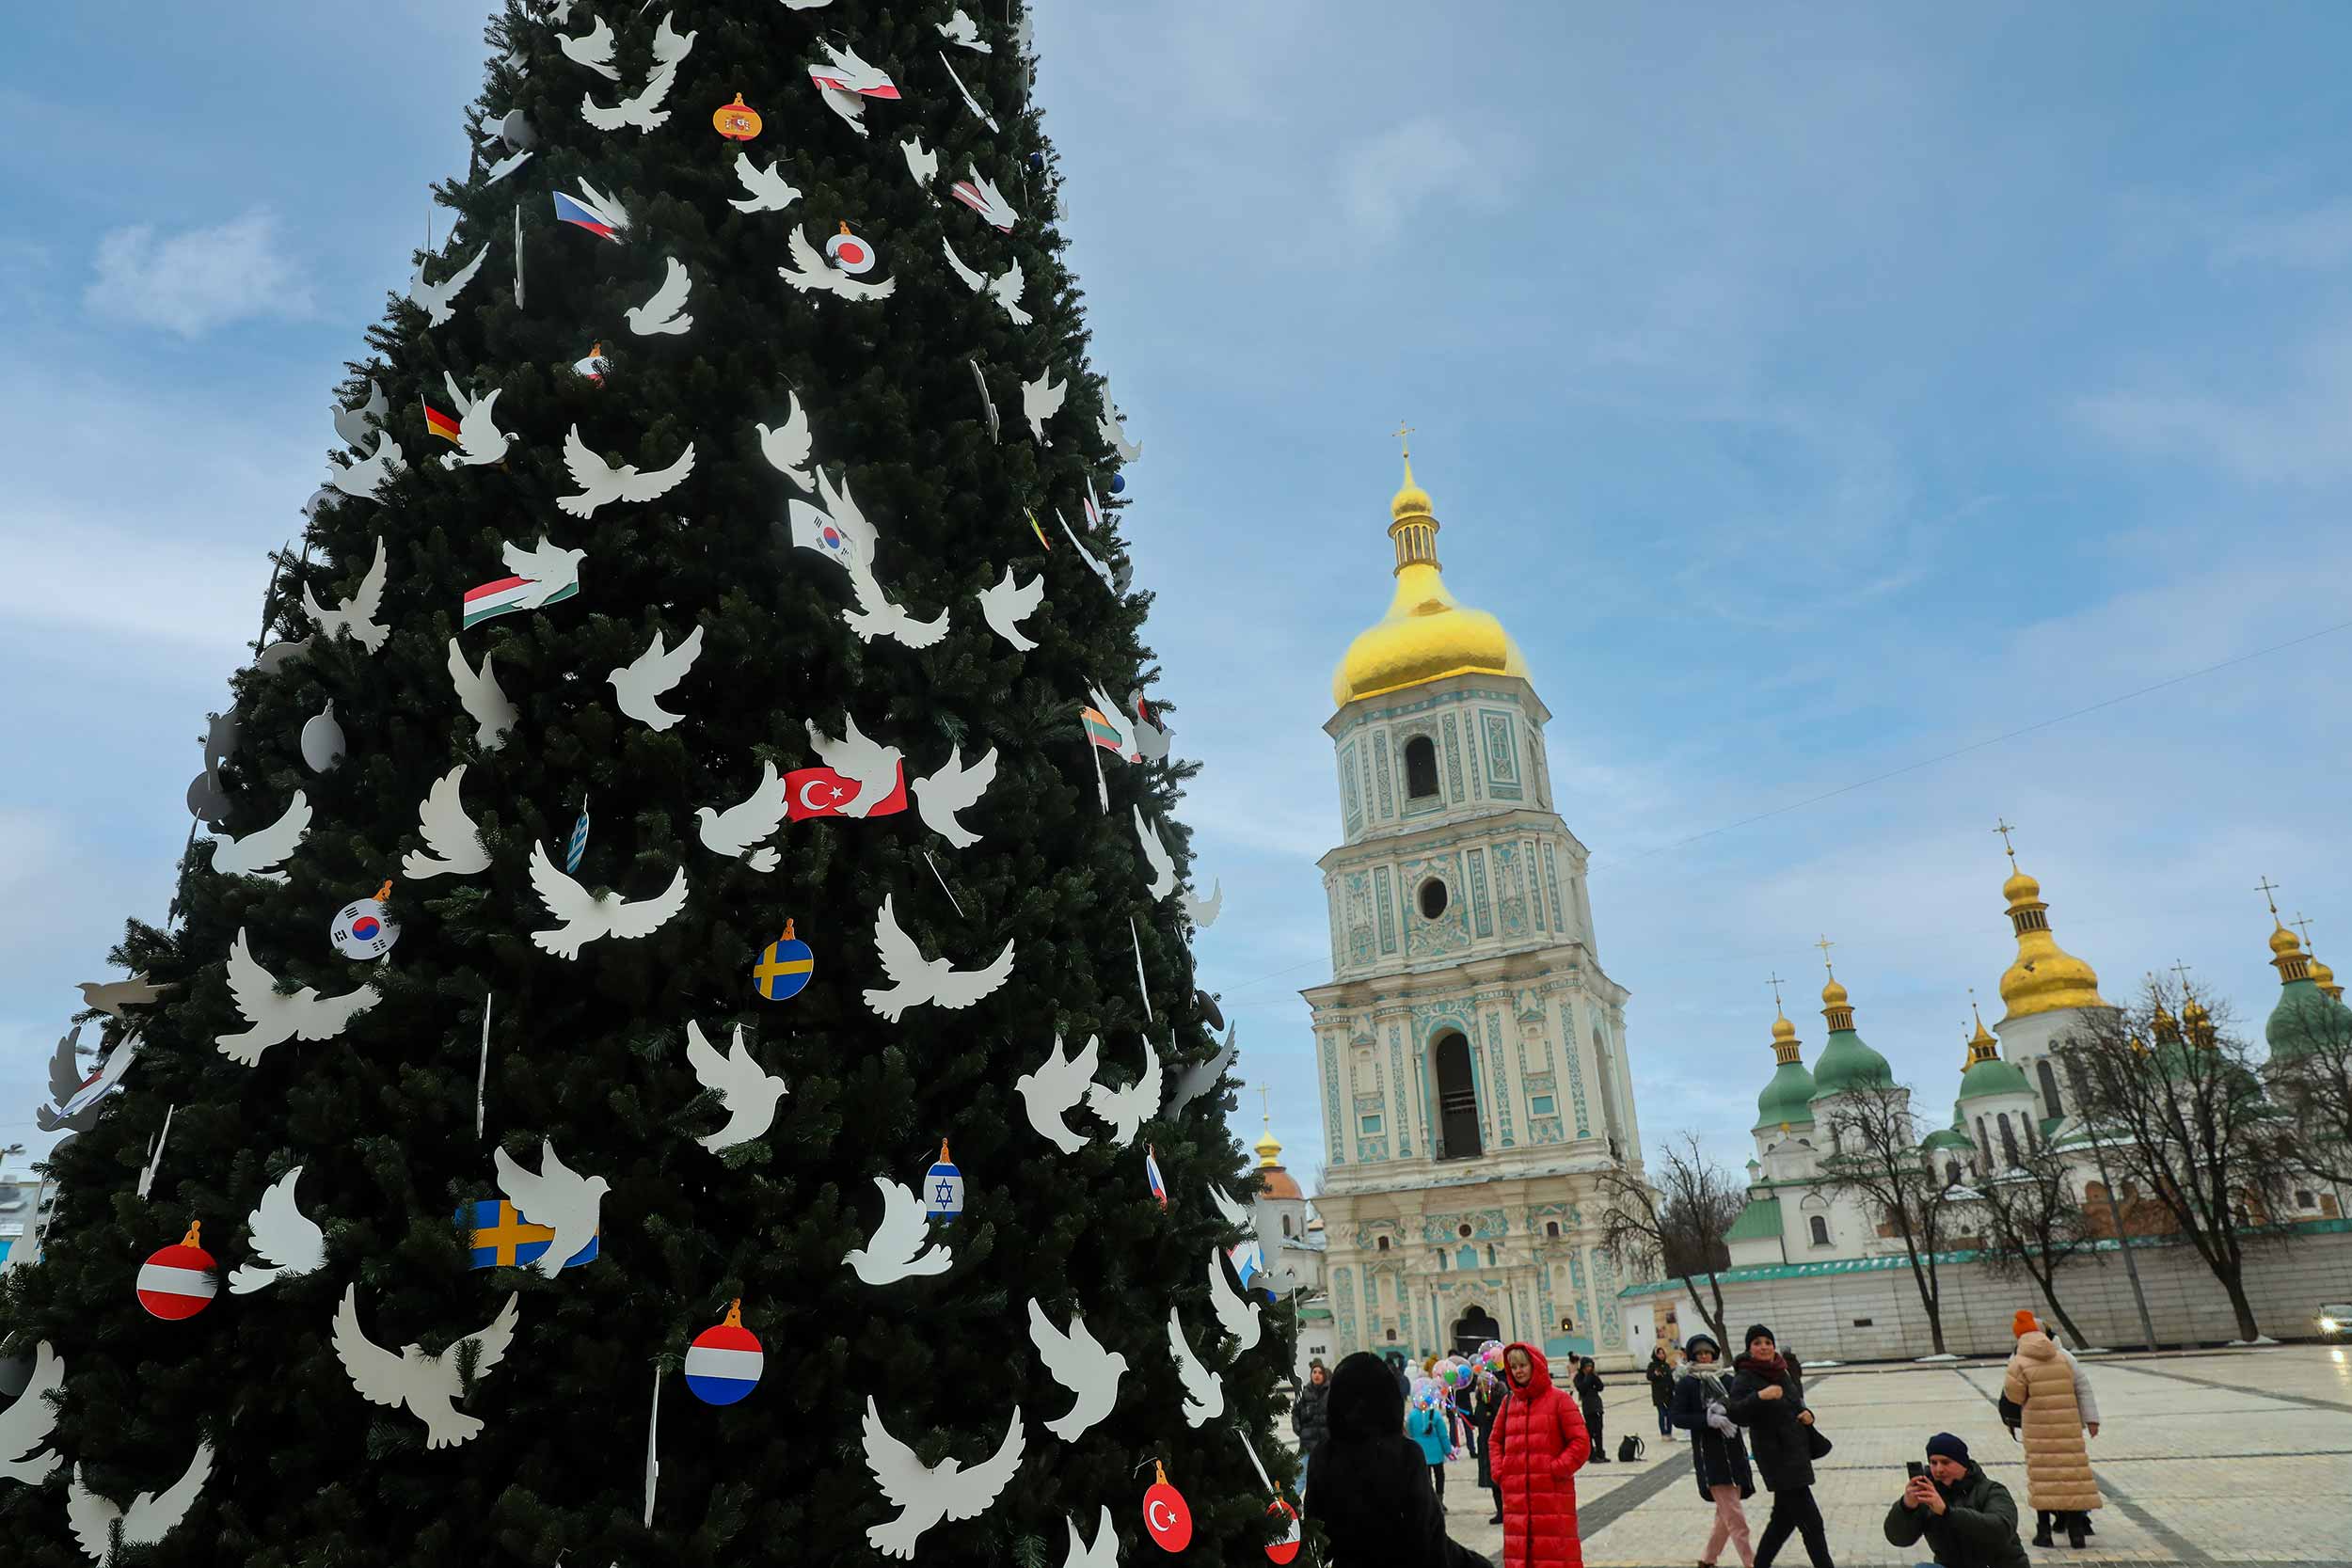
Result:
{"points": [[724, 1363], [363, 931]]}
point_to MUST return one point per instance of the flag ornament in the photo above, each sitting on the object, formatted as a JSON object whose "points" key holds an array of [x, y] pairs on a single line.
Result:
{"points": [[724, 1363], [505, 595], [943, 1189], [1039, 531], [570, 209], [822, 792], [1102, 732], [501, 1238], [853, 76], [1151, 1174], [784, 969], [736, 122], [441, 424], [1166, 1513], [179, 1281], [849, 254], [1249, 1261], [593, 367], [1283, 1550], [363, 931], [578, 845]]}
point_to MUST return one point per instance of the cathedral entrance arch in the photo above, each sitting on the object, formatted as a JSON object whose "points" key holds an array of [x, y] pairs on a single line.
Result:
{"points": [[1474, 1328], [1457, 1098]]}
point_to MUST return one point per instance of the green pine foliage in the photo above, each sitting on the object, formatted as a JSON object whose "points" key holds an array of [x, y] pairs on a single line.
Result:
{"points": [[591, 1054]]}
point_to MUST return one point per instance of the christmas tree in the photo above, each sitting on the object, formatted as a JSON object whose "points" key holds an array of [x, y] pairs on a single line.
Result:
{"points": [[679, 842]]}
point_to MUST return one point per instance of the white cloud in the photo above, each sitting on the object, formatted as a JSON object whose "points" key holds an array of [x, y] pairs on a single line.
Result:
{"points": [[1382, 179], [197, 280], [2292, 432]]}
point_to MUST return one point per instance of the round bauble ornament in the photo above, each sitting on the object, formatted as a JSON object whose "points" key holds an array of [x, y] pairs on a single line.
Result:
{"points": [[1285, 1549], [785, 968], [177, 1282], [943, 1189], [363, 931], [1166, 1513], [848, 253], [736, 122], [724, 1363], [323, 743], [1118, 484]]}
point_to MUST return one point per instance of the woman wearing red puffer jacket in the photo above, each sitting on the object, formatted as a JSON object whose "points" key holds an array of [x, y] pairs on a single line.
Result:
{"points": [[1538, 1443]]}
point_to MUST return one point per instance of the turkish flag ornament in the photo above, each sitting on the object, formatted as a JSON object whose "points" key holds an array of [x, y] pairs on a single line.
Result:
{"points": [[1166, 1513]]}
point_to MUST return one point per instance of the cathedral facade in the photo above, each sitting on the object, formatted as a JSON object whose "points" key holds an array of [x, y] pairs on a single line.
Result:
{"points": [[1469, 1048]]}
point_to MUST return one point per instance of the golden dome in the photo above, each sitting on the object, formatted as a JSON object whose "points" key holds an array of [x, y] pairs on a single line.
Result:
{"points": [[1783, 1029], [2282, 942], [1269, 1151], [1833, 994], [2324, 978], [1427, 634], [2046, 977]]}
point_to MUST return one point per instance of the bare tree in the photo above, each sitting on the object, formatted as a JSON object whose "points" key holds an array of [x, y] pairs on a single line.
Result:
{"points": [[2315, 1083], [1875, 1156], [2032, 1225], [1675, 1227], [2175, 1100]]}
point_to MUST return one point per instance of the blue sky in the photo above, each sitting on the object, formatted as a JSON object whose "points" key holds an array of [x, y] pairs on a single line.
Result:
{"points": [[1815, 390]]}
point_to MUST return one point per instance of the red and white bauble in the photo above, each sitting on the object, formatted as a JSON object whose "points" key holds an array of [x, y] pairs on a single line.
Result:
{"points": [[177, 1282], [848, 253], [1166, 1513], [724, 1363], [1285, 1549]]}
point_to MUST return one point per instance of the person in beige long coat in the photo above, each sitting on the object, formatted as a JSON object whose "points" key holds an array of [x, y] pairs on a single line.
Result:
{"points": [[2057, 1409]]}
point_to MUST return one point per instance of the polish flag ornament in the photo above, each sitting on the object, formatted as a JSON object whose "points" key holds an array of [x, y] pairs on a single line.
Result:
{"points": [[177, 1282], [1166, 1513], [1283, 1551], [724, 1363], [849, 254]]}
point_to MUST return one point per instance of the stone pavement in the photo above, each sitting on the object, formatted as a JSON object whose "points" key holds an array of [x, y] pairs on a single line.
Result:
{"points": [[2217, 1457]]}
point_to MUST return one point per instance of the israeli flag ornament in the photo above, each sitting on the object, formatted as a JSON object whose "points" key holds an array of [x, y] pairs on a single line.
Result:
{"points": [[943, 1189]]}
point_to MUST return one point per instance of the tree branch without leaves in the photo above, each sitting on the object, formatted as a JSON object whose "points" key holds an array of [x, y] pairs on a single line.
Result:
{"points": [[1675, 1226]]}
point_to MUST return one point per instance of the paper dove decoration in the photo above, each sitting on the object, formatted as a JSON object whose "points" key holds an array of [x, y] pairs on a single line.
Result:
{"points": [[434, 299], [765, 190], [1156, 855], [593, 49], [1202, 912], [1092, 564], [1040, 400], [600, 482], [503, 167], [363, 479], [111, 996], [841, 534], [1193, 1082], [1103, 1551], [922, 164], [585, 918], [1115, 718], [952, 789], [1004, 606], [962, 31], [452, 845], [1080, 1364], [25, 1426], [811, 273], [983, 197], [358, 426], [669, 46], [66, 1080], [1127, 1109], [845, 82], [1204, 1391], [355, 615], [735, 831], [901, 1246], [557, 1196], [874, 766], [1114, 432], [109, 1073], [275, 1019], [483, 699], [988, 406], [479, 442], [914, 979], [643, 113], [749, 1091], [262, 851], [285, 1241], [927, 1494], [103, 1530], [639, 685], [1235, 1316], [1005, 289], [969, 102], [547, 570], [786, 447], [426, 1384], [664, 313], [1054, 1088]]}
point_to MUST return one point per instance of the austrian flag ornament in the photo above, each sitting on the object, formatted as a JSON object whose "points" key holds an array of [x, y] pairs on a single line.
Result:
{"points": [[724, 1363], [177, 1282]]}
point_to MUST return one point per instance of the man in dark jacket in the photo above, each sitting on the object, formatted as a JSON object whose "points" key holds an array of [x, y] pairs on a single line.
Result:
{"points": [[1766, 1397], [1371, 1493], [1310, 1418], [1968, 1518]]}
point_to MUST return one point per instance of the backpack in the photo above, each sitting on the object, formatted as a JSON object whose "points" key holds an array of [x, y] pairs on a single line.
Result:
{"points": [[1629, 1449]]}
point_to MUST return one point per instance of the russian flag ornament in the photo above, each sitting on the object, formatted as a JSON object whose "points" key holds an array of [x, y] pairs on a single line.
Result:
{"points": [[177, 1282], [724, 1363]]}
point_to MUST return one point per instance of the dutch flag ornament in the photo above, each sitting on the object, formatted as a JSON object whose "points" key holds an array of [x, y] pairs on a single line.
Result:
{"points": [[724, 1363]]}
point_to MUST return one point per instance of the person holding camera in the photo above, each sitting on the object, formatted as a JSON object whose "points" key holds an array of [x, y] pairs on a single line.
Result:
{"points": [[1968, 1519]]}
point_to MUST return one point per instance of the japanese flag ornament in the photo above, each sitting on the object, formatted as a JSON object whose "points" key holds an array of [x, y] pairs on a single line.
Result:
{"points": [[849, 254], [1166, 1513], [179, 1281], [724, 1363]]}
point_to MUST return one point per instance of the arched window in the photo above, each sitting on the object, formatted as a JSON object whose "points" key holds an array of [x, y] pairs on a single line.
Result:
{"points": [[2009, 1143], [1491, 1257], [1551, 1230], [1457, 1098], [1379, 1243], [1821, 1230], [1951, 1174], [1984, 1145], [2049, 1088], [1286, 1227], [1421, 768]]}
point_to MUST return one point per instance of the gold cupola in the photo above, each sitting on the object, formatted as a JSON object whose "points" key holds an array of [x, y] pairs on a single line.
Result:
{"points": [[2045, 976], [1427, 634]]}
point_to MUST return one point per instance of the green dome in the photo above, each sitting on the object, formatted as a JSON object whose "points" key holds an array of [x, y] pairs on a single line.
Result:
{"points": [[2304, 1018], [1993, 1076], [1848, 1063], [1787, 1097], [1954, 1136]]}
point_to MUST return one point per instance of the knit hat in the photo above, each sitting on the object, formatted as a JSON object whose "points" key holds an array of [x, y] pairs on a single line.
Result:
{"points": [[2023, 1323], [1945, 1445], [1690, 1347], [1757, 1331]]}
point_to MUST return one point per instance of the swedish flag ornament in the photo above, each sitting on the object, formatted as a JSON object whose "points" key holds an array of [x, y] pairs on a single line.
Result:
{"points": [[785, 967]]}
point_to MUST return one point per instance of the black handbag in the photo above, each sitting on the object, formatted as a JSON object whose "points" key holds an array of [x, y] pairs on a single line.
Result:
{"points": [[1816, 1446]]}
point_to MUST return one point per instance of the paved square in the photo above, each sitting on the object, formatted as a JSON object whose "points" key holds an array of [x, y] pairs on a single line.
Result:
{"points": [[2225, 1457]]}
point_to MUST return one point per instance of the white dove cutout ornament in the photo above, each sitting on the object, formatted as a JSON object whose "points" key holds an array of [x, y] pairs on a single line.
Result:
{"points": [[259, 853], [835, 274], [1127, 1109], [276, 1019], [983, 197], [549, 574], [1156, 855], [733, 833], [925, 1494], [1093, 563], [1040, 400], [557, 1196], [639, 685], [593, 49], [664, 314], [103, 1530], [643, 113], [963, 32], [1193, 1082], [764, 190], [1113, 428], [874, 766], [358, 426], [1235, 1316], [1056, 1087], [355, 615], [1202, 912], [915, 979], [452, 845], [1103, 1552], [952, 789], [921, 162], [969, 102], [749, 1091], [285, 1241], [600, 482], [360, 479], [1080, 1364], [1007, 603], [25, 1426], [1204, 1391], [436, 299], [787, 447], [902, 1246], [1005, 289], [585, 918], [427, 1386], [485, 701], [479, 442]]}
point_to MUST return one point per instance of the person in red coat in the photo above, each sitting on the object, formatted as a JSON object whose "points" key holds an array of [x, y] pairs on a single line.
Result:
{"points": [[1538, 1443]]}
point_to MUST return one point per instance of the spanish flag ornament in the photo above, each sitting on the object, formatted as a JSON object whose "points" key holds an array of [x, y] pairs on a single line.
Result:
{"points": [[736, 122]]}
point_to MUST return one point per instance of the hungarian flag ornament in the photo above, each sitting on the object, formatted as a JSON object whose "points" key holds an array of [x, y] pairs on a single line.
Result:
{"points": [[724, 1363], [362, 929], [849, 254], [1166, 1513], [177, 1282], [943, 1189], [785, 966]]}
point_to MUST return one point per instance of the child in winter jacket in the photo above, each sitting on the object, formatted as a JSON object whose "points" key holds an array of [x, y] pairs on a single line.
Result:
{"points": [[1426, 1426]]}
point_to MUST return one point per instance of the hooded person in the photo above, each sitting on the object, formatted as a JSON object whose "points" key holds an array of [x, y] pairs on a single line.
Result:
{"points": [[1537, 1444], [1371, 1493], [1588, 1384], [1310, 1420], [1660, 1376], [2055, 1410], [1968, 1518], [1719, 1460], [1767, 1396]]}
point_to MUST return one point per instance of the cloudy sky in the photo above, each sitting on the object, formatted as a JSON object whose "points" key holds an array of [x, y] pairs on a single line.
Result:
{"points": [[1873, 420]]}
